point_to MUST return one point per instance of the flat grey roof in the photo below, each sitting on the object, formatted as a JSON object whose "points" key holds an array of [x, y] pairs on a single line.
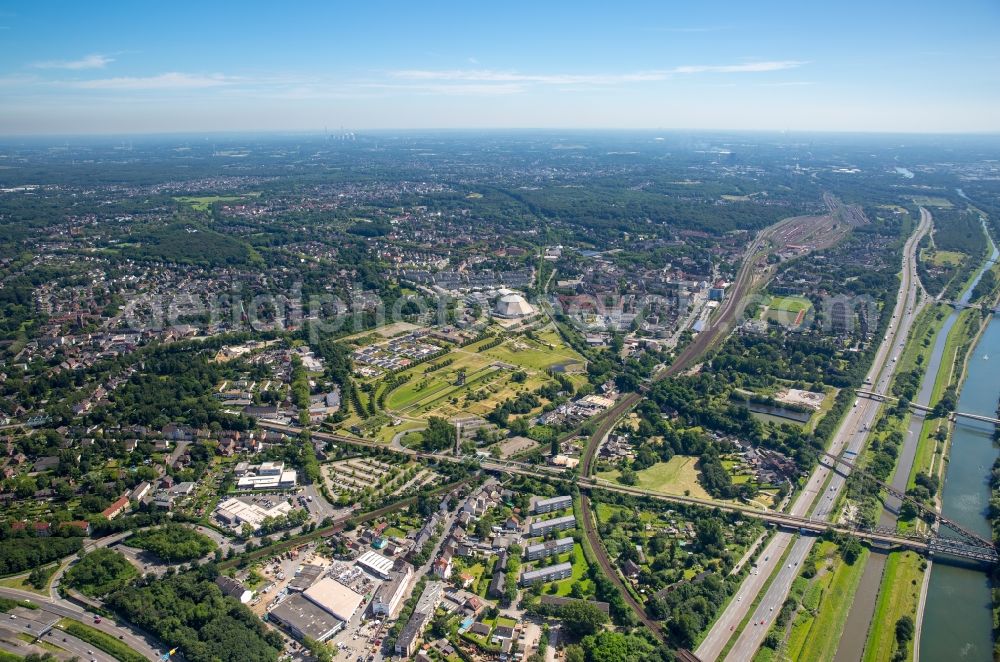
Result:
{"points": [[545, 572], [310, 619], [541, 524], [555, 499]]}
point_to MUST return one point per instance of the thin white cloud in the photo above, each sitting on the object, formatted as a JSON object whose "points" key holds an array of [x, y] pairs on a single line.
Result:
{"points": [[14, 80], [168, 81], [450, 89], [790, 83], [712, 28], [748, 67], [493, 76], [94, 61]]}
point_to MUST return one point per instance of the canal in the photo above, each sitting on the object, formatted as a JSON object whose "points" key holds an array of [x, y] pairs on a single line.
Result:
{"points": [[942, 592], [854, 637], [958, 618]]}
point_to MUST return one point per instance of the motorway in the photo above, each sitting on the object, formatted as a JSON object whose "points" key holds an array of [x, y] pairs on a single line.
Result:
{"points": [[66, 609], [752, 272], [55, 607], [33, 622], [822, 488]]}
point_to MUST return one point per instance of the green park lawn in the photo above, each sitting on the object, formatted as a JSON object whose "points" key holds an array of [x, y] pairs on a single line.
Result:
{"points": [[677, 476], [580, 569]]}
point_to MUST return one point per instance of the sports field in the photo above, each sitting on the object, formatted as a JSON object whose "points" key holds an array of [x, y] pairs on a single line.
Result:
{"points": [[788, 311]]}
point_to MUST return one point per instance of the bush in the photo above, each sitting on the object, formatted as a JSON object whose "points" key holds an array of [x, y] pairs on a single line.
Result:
{"points": [[173, 543], [101, 572]]}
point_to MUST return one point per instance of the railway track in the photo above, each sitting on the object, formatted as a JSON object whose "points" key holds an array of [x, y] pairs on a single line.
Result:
{"points": [[747, 278], [612, 573]]}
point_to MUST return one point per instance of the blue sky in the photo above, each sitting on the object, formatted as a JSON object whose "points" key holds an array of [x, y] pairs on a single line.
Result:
{"points": [[878, 65]]}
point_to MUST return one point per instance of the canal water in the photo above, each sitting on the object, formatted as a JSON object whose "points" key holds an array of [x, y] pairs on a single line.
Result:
{"points": [[855, 634], [958, 616]]}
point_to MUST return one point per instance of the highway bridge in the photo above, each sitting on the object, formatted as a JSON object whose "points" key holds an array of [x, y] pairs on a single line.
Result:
{"points": [[965, 304], [872, 395], [967, 546]]}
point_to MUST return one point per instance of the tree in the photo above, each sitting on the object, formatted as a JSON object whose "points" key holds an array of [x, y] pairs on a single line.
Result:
{"points": [[904, 629], [101, 572], [439, 626], [173, 542], [439, 435], [628, 476], [850, 550], [582, 617], [319, 650], [609, 646]]}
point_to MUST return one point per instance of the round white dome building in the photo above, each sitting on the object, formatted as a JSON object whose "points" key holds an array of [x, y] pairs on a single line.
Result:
{"points": [[513, 306]]}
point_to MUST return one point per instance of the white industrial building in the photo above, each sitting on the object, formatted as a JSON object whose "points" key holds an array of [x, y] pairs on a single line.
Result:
{"points": [[236, 513], [267, 476], [305, 619], [376, 564], [335, 598], [390, 593]]}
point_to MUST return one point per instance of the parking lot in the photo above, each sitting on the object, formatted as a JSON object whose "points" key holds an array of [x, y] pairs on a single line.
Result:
{"points": [[357, 641], [277, 574]]}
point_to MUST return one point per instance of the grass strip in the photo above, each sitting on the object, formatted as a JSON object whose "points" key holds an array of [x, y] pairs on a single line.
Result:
{"points": [[899, 595], [102, 640], [824, 628]]}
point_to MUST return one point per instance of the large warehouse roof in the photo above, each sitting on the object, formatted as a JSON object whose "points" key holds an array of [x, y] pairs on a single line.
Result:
{"points": [[306, 619], [334, 597], [376, 563]]}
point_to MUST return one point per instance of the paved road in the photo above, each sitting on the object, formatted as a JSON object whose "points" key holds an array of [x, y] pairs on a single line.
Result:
{"points": [[66, 609], [319, 508], [32, 622], [817, 496], [56, 605]]}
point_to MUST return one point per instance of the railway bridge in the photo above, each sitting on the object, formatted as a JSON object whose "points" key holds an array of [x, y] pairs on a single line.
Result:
{"points": [[872, 395], [965, 545]]}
